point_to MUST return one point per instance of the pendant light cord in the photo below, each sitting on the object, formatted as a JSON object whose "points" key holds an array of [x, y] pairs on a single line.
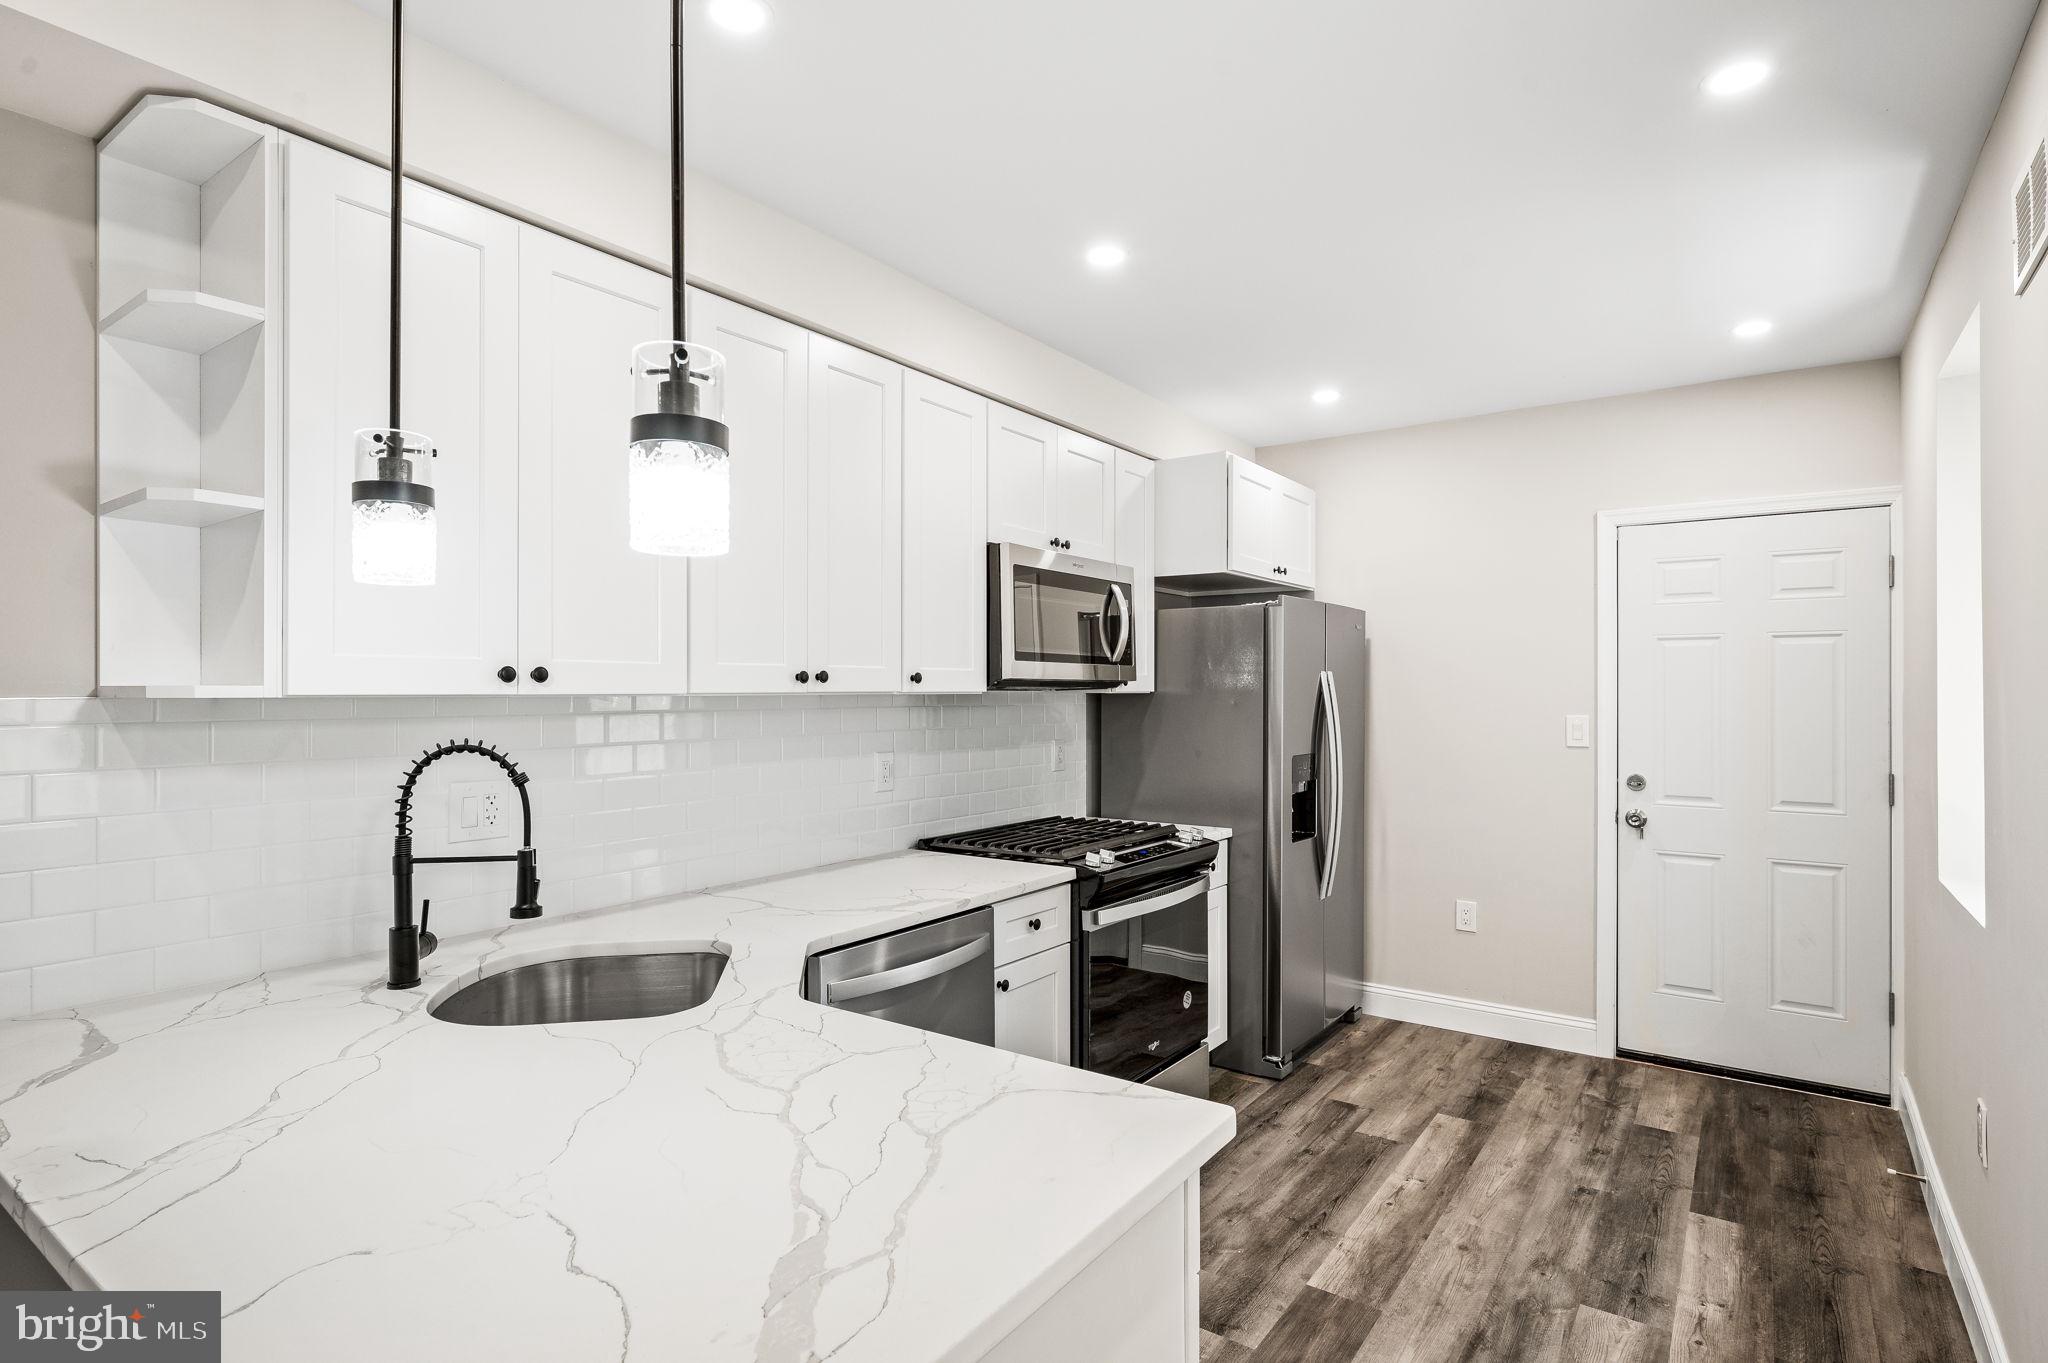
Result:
{"points": [[675, 191], [397, 186]]}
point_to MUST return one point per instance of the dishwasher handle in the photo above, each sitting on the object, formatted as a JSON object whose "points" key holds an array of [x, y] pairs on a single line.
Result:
{"points": [[917, 972]]}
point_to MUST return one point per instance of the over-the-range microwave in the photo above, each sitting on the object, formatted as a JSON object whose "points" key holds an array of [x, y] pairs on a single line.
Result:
{"points": [[1056, 620]]}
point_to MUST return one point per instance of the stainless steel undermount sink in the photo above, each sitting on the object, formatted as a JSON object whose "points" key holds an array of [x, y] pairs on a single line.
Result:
{"points": [[587, 989]]}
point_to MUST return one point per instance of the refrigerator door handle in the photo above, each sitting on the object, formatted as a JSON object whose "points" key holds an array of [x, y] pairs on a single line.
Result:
{"points": [[1332, 838]]}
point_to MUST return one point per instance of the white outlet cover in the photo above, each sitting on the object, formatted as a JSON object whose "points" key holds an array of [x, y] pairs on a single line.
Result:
{"points": [[1059, 755], [1468, 915], [885, 772], [478, 810]]}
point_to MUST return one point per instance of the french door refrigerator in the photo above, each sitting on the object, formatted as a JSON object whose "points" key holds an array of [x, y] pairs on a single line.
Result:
{"points": [[1258, 722]]}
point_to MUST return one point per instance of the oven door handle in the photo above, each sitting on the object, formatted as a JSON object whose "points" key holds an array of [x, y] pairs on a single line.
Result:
{"points": [[1185, 892], [917, 972]]}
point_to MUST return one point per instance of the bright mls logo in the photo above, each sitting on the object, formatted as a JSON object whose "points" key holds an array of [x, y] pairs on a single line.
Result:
{"points": [[165, 1327]]}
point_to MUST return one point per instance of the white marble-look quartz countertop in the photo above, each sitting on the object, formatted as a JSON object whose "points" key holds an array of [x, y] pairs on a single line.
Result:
{"points": [[758, 1178]]}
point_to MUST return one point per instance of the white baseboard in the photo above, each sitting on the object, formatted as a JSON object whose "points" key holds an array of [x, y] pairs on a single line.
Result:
{"points": [[1502, 1021], [1978, 1318]]}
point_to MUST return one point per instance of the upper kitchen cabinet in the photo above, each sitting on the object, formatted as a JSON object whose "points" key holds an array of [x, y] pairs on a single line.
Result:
{"points": [[1048, 487], [461, 389], [1228, 524], [749, 609], [594, 616], [189, 407], [855, 535], [1135, 549], [945, 563]]}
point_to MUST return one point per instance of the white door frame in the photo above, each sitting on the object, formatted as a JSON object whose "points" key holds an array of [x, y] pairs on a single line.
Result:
{"points": [[1606, 742]]}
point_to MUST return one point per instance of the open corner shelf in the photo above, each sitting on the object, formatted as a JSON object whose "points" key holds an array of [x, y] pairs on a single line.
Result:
{"points": [[185, 138], [189, 506], [180, 319]]}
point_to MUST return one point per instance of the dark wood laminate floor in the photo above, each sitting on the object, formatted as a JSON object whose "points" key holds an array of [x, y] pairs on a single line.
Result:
{"points": [[1412, 1195]]}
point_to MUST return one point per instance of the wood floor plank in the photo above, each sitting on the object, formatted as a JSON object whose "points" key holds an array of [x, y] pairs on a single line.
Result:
{"points": [[1529, 1206]]}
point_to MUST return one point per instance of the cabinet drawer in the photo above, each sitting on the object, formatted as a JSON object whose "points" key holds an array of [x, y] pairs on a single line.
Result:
{"points": [[1033, 922]]}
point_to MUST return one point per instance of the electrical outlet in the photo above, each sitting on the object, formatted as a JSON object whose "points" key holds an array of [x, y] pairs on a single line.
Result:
{"points": [[1468, 915], [885, 772], [1983, 1137], [1059, 755], [476, 810]]}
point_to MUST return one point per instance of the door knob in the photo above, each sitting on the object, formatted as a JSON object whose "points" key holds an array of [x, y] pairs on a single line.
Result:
{"points": [[1635, 819], [803, 679], [508, 673], [539, 674]]}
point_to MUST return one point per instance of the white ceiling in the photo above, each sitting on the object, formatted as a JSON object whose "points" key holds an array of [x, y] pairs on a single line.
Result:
{"points": [[1440, 208]]}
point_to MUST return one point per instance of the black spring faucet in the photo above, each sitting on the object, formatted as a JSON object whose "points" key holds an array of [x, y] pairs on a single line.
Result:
{"points": [[410, 943]]}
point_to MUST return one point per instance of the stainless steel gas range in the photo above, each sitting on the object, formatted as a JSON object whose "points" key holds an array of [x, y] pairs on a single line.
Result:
{"points": [[1140, 941]]}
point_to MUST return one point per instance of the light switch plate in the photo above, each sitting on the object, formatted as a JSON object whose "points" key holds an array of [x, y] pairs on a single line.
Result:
{"points": [[1578, 732], [476, 810]]}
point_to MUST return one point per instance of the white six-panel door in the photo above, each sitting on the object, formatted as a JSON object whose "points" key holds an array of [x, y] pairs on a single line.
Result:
{"points": [[945, 558], [593, 613], [855, 535], [461, 388], [749, 610], [1755, 921]]}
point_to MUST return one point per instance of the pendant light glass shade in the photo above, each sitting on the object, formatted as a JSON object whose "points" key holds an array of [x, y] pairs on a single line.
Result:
{"points": [[392, 535], [679, 465]]}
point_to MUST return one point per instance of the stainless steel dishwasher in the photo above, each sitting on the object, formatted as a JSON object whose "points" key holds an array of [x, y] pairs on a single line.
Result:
{"points": [[938, 976]]}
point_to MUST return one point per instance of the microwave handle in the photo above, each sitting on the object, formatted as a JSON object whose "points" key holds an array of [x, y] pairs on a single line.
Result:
{"points": [[1123, 615]]}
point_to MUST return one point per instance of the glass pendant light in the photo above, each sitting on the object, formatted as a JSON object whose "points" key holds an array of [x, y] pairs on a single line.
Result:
{"points": [[392, 538], [678, 466]]}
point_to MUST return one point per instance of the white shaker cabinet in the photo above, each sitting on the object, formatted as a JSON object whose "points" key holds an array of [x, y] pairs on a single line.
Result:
{"points": [[750, 609], [1023, 456], [1084, 498], [594, 616], [1135, 550], [855, 533], [1228, 524], [460, 388], [945, 557], [1034, 1006]]}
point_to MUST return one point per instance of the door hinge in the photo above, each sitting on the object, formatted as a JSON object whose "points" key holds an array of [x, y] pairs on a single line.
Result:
{"points": [[1892, 572], [1894, 1010], [1891, 788]]}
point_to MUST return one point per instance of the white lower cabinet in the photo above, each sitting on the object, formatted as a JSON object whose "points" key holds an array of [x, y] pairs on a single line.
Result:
{"points": [[460, 387], [1034, 1006], [594, 616]]}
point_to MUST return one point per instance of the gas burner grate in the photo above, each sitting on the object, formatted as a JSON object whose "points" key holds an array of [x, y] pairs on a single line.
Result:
{"points": [[1058, 840]]}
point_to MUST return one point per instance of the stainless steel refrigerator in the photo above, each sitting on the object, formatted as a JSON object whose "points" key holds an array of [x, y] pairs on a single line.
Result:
{"points": [[1258, 722]]}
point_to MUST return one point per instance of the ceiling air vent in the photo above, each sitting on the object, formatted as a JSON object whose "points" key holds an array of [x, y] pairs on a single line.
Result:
{"points": [[2030, 219]]}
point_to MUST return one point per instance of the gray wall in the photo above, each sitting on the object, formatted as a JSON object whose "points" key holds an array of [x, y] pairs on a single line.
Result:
{"points": [[1975, 1007], [1470, 546], [47, 479]]}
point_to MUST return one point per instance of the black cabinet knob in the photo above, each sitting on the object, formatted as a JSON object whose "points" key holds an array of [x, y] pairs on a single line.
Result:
{"points": [[1037, 923], [539, 674], [917, 679], [1003, 985], [508, 673], [1055, 541], [803, 678], [823, 676]]}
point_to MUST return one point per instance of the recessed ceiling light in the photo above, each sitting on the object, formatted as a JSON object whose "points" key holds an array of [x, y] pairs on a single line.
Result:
{"points": [[739, 16], [1323, 397], [1753, 328], [1737, 78], [1106, 255]]}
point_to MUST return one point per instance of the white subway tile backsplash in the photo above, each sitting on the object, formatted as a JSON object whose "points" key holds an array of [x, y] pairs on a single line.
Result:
{"points": [[216, 839]]}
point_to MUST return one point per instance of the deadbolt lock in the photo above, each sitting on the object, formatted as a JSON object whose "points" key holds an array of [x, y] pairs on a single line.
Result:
{"points": [[1635, 781]]}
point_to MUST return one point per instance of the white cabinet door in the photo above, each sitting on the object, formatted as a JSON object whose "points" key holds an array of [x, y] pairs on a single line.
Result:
{"points": [[1034, 1003], [592, 612], [945, 557], [1219, 962], [1084, 497], [855, 534], [1294, 540], [461, 389], [1134, 549], [750, 609], [1023, 452], [1254, 519]]}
